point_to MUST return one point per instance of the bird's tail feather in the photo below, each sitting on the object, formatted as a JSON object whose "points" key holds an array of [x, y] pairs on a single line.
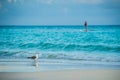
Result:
{"points": [[29, 57]]}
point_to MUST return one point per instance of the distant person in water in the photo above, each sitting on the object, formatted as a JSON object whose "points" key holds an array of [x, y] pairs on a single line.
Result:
{"points": [[86, 26]]}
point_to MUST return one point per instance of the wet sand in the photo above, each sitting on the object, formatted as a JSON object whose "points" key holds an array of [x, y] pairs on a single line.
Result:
{"points": [[75, 74]]}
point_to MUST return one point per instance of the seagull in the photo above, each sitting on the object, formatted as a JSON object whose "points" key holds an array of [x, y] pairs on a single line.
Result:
{"points": [[35, 57]]}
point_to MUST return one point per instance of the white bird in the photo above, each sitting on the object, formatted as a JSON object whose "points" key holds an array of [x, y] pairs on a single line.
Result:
{"points": [[35, 57]]}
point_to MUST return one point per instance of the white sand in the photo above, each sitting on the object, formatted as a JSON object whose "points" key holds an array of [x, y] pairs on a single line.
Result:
{"points": [[77, 74]]}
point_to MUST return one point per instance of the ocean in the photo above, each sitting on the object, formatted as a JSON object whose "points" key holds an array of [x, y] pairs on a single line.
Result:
{"points": [[100, 43]]}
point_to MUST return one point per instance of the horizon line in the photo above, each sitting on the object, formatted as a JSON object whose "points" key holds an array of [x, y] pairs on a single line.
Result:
{"points": [[63, 25]]}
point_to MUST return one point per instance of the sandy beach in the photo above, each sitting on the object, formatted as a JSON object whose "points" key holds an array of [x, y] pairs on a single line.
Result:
{"points": [[54, 70], [77, 74]]}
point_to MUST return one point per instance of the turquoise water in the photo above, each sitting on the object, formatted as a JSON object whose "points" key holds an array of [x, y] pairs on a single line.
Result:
{"points": [[101, 43]]}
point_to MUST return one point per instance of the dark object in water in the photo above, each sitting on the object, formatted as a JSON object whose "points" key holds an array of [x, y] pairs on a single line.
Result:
{"points": [[86, 26]]}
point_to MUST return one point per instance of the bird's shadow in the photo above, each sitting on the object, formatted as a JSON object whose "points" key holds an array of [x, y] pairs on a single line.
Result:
{"points": [[35, 64]]}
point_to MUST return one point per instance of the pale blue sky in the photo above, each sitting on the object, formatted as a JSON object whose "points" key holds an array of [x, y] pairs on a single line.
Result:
{"points": [[59, 12]]}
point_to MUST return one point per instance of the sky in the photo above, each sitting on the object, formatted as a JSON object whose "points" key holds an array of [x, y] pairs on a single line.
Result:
{"points": [[59, 12]]}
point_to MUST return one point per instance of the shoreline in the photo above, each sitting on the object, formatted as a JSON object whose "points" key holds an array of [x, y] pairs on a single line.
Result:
{"points": [[26, 65]]}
